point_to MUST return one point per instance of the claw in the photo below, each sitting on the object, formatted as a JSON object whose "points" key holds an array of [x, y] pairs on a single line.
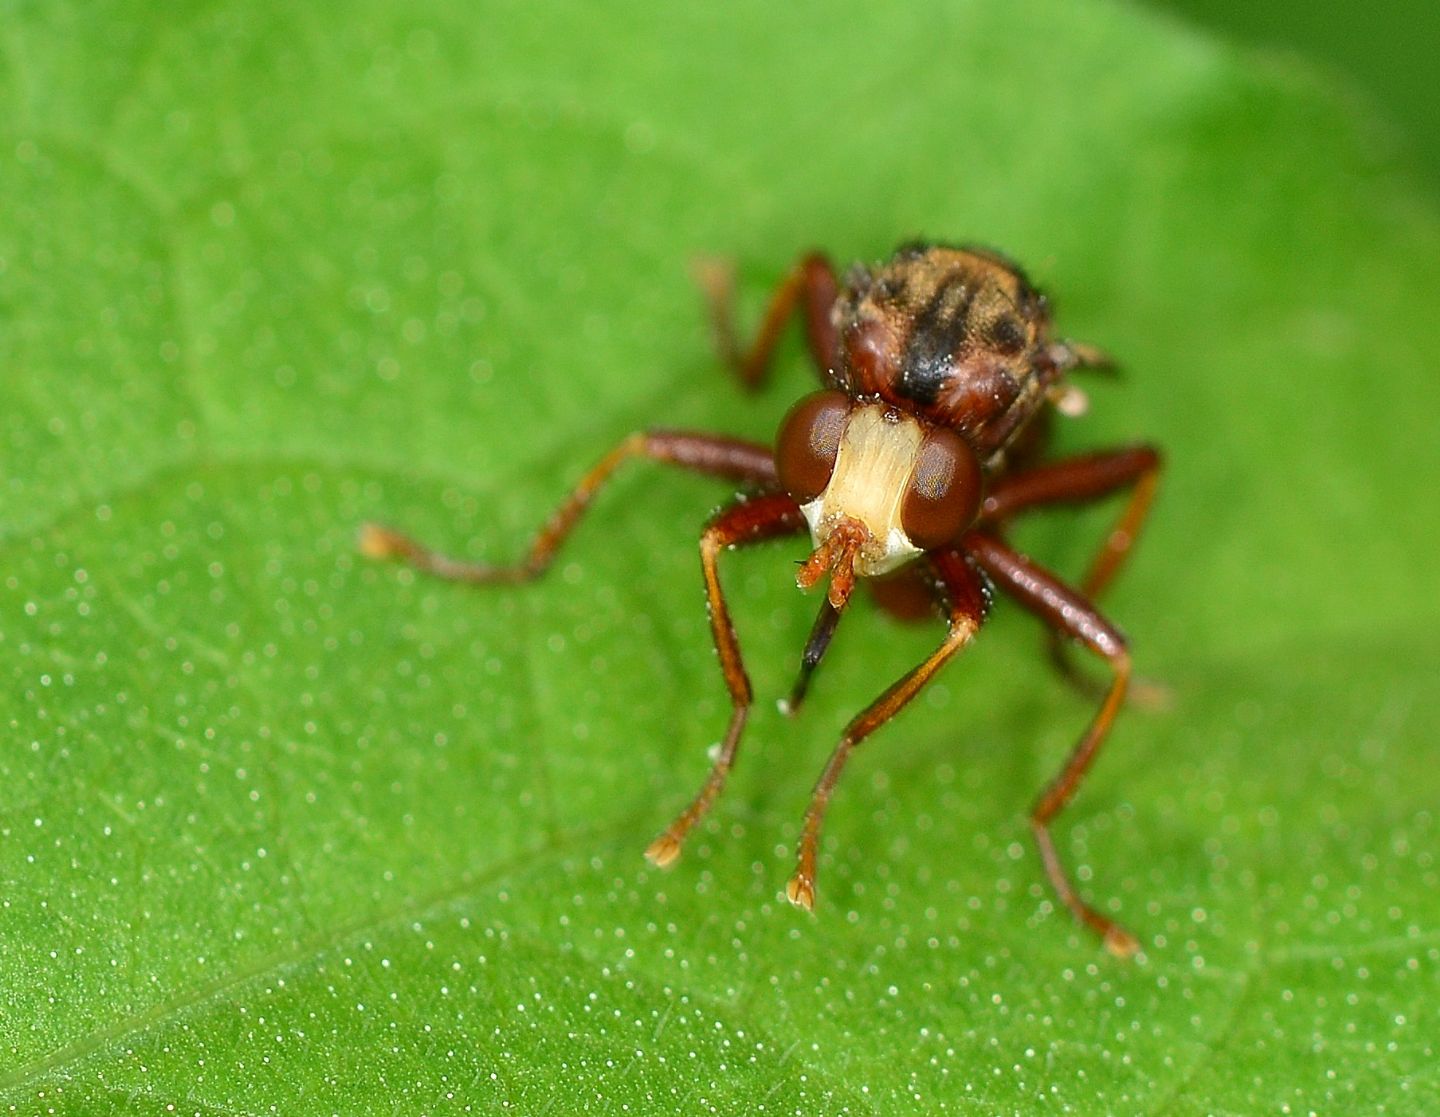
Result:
{"points": [[380, 542], [1121, 942], [663, 852]]}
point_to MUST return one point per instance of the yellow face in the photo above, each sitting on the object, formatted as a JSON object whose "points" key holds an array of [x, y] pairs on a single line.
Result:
{"points": [[878, 486], [873, 465]]}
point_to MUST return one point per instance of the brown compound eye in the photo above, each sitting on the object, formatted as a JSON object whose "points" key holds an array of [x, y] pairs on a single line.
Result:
{"points": [[808, 441], [943, 496]]}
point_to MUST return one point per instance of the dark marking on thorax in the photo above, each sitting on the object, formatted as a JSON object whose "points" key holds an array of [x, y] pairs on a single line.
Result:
{"points": [[929, 360]]}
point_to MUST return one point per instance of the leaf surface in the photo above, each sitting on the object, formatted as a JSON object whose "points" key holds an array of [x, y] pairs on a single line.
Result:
{"points": [[282, 830]]}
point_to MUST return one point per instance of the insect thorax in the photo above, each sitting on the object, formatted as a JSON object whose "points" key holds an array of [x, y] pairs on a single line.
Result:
{"points": [[956, 336]]}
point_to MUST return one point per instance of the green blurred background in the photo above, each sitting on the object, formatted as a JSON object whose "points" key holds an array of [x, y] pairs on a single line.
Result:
{"points": [[1385, 52], [357, 843]]}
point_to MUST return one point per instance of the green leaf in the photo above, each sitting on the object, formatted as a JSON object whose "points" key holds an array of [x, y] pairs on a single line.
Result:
{"points": [[284, 830]]}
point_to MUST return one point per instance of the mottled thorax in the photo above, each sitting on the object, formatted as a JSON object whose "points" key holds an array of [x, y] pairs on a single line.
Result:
{"points": [[955, 335]]}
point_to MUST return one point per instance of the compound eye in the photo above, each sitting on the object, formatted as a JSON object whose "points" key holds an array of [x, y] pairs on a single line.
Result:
{"points": [[808, 441], [943, 496]]}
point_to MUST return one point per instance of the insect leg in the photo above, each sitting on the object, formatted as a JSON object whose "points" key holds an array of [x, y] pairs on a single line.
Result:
{"points": [[1079, 480], [811, 282], [967, 601], [747, 521], [1066, 611], [714, 455]]}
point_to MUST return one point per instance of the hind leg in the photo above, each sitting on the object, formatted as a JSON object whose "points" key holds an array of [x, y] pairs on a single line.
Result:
{"points": [[810, 284]]}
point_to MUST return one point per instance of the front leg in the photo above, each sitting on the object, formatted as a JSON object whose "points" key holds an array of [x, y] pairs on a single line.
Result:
{"points": [[1069, 613], [742, 523], [733, 459], [967, 602]]}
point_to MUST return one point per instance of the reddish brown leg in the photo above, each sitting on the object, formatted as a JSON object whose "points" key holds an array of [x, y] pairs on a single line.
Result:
{"points": [[811, 283], [1070, 613], [967, 603], [717, 456], [748, 521], [1078, 480]]}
